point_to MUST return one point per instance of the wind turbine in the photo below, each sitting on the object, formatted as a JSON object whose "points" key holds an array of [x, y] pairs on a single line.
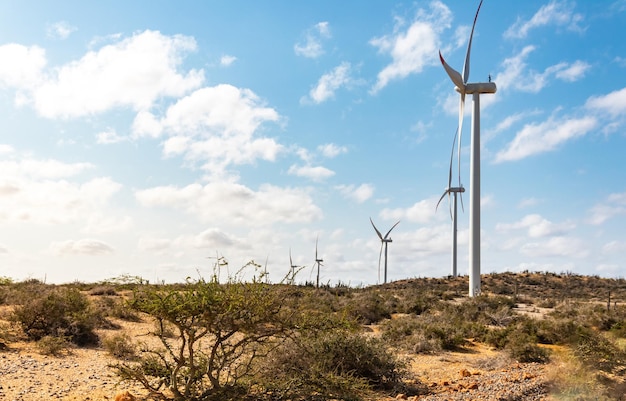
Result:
{"points": [[292, 269], [453, 206], [475, 89], [383, 241], [318, 261]]}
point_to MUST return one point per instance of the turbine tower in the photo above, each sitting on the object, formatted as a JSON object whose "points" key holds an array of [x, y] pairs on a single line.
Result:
{"points": [[318, 261], [475, 89], [383, 241]]}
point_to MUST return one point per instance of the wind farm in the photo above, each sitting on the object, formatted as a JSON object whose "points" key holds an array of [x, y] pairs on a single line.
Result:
{"points": [[131, 150]]}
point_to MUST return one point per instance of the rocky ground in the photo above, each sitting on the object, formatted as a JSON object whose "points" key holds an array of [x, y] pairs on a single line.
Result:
{"points": [[476, 374]]}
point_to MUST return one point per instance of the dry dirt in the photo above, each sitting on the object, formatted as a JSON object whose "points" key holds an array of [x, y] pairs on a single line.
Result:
{"points": [[477, 373]]}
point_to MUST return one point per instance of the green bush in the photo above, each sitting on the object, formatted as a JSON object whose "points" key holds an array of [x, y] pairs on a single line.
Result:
{"points": [[523, 348], [220, 332], [335, 365], [55, 346], [63, 312], [120, 346]]}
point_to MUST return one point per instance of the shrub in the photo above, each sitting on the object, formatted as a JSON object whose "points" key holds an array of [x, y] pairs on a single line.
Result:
{"points": [[58, 313], [120, 346], [523, 348], [369, 308], [55, 346], [338, 365], [221, 330]]}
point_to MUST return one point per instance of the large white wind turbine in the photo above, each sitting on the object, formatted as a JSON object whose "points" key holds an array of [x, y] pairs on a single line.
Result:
{"points": [[475, 89], [383, 241]]}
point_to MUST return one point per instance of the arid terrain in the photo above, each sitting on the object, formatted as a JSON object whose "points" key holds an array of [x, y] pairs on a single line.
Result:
{"points": [[474, 371]]}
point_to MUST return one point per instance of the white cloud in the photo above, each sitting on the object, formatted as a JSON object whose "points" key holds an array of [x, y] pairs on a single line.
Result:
{"points": [[421, 212], [359, 194], [614, 205], [109, 137], [414, 48], [331, 150], [315, 173], [559, 13], [544, 137], [216, 126], [538, 226], [132, 72], [235, 203], [528, 202], [91, 247], [227, 60], [21, 67], [312, 45], [329, 83], [516, 76], [19, 168], [556, 247], [613, 103], [60, 30], [614, 246]]}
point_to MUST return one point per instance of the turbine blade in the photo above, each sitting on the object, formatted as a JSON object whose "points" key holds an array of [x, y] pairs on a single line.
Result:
{"points": [[462, 206], [290, 260], [466, 67], [394, 226], [316, 239], [446, 192], [456, 134], [376, 229], [454, 75]]}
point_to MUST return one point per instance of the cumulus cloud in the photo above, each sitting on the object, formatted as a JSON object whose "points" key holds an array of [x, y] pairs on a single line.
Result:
{"points": [[537, 226], [132, 72], [556, 247], [315, 173], [60, 30], [22, 66], [235, 203], [215, 126], [359, 194], [109, 137], [311, 46], [515, 74], [614, 205], [329, 83], [535, 138], [414, 47], [420, 212], [331, 150], [89, 247], [558, 13], [227, 60]]}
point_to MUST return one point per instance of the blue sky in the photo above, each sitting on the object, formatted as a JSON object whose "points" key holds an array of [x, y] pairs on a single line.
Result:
{"points": [[147, 137]]}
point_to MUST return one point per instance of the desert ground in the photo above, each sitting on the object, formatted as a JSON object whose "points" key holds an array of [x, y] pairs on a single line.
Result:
{"points": [[477, 371]]}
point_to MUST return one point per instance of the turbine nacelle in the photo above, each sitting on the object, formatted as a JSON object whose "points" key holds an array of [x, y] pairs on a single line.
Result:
{"points": [[478, 87]]}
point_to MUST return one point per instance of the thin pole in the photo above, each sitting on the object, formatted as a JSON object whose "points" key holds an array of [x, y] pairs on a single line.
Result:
{"points": [[454, 230], [474, 223], [386, 243]]}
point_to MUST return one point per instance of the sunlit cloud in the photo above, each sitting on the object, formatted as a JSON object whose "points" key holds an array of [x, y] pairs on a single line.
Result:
{"points": [[557, 13], [312, 46]]}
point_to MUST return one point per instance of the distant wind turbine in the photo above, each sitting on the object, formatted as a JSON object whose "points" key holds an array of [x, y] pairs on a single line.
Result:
{"points": [[475, 89], [453, 206], [292, 270], [318, 261], [383, 241]]}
